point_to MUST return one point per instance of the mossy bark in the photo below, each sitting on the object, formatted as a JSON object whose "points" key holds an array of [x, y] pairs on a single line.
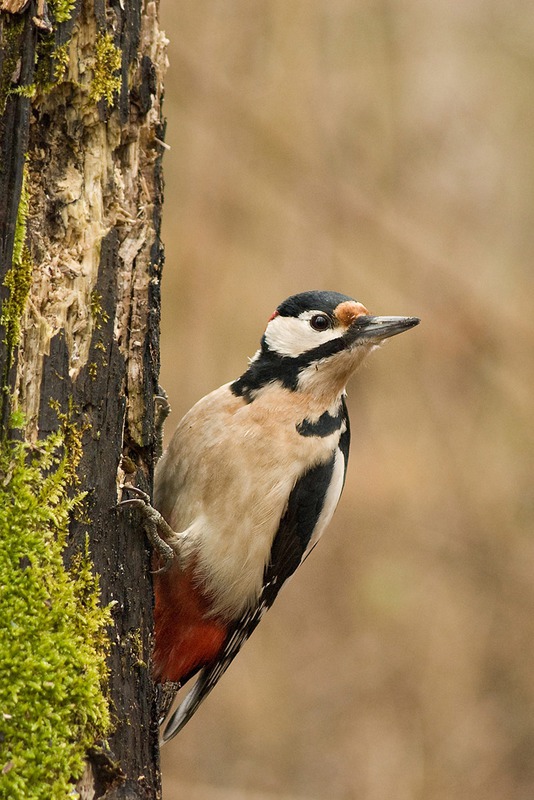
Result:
{"points": [[81, 136]]}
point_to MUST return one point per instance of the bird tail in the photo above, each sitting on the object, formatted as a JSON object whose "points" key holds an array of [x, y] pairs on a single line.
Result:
{"points": [[205, 682], [184, 712], [212, 672]]}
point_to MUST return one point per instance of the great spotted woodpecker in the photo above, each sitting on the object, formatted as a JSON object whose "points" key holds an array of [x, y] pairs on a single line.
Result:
{"points": [[248, 484]]}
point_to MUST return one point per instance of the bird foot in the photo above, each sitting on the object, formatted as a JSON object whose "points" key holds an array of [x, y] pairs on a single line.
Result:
{"points": [[162, 410], [157, 530]]}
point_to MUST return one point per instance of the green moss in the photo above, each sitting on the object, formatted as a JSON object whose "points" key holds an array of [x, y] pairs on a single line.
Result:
{"points": [[61, 61], [22, 217], [108, 58], [51, 61], [18, 279], [137, 649], [12, 27], [100, 317], [72, 439], [51, 65], [61, 10], [28, 90], [53, 634]]}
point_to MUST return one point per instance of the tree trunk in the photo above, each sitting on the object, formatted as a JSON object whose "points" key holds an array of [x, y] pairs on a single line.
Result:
{"points": [[80, 264]]}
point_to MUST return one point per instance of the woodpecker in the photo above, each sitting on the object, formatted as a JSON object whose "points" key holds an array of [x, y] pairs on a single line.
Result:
{"points": [[249, 483]]}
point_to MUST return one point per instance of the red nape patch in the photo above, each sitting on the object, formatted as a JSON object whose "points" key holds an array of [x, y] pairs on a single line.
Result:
{"points": [[185, 638], [273, 315]]}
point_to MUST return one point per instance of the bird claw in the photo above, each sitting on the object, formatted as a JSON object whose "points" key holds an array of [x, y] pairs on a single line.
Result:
{"points": [[156, 528], [141, 499], [132, 503], [161, 412], [162, 407]]}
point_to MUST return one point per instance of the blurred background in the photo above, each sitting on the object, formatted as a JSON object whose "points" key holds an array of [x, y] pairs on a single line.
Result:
{"points": [[384, 149]]}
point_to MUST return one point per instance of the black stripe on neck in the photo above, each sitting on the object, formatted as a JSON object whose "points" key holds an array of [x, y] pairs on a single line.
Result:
{"points": [[270, 366], [324, 426]]}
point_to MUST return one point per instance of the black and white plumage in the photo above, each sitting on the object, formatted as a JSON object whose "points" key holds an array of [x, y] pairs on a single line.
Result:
{"points": [[248, 484]]}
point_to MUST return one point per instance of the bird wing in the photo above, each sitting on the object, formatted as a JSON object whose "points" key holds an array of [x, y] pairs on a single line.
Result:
{"points": [[310, 506]]}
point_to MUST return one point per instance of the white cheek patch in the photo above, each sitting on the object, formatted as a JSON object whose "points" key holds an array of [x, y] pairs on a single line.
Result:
{"points": [[292, 336]]}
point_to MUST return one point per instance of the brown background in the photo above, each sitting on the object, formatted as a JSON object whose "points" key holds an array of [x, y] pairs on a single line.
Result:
{"points": [[385, 150]]}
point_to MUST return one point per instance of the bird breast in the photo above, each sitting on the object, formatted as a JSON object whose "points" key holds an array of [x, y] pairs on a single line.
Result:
{"points": [[225, 480]]}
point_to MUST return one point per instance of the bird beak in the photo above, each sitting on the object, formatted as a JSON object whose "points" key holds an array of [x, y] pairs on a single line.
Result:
{"points": [[374, 329]]}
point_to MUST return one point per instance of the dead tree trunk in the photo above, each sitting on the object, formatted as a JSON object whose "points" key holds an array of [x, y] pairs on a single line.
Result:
{"points": [[80, 264]]}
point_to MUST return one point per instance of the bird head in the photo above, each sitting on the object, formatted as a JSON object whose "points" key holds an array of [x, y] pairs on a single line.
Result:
{"points": [[315, 340]]}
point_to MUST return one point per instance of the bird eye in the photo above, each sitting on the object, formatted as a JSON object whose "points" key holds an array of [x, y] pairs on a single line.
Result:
{"points": [[320, 322]]}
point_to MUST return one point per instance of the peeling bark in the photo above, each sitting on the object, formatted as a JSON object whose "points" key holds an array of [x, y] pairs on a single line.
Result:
{"points": [[90, 326]]}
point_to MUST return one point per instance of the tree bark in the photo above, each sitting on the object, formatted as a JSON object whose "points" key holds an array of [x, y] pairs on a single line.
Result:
{"points": [[81, 140]]}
